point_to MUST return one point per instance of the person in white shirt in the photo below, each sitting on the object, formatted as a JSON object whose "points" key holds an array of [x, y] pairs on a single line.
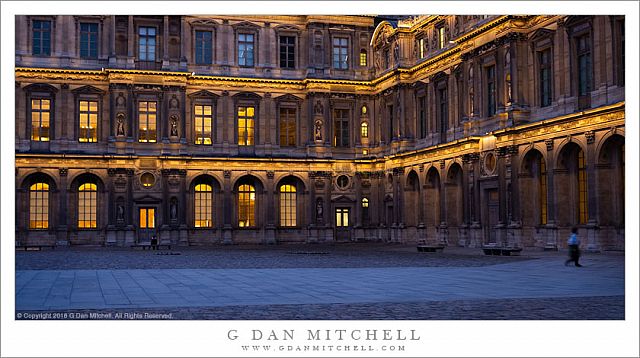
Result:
{"points": [[574, 248]]}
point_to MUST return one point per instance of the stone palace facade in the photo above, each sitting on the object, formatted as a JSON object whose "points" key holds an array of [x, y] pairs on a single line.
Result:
{"points": [[463, 130]]}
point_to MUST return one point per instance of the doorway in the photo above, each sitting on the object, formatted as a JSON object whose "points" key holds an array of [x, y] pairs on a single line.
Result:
{"points": [[342, 224], [492, 216], [147, 228]]}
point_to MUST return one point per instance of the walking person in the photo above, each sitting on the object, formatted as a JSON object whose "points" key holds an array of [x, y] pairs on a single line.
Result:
{"points": [[574, 248], [154, 242]]}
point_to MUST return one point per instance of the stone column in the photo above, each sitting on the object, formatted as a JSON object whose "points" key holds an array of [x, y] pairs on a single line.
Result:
{"points": [[592, 194], [62, 238], [551, 227], [227, 209], [270, 233]]}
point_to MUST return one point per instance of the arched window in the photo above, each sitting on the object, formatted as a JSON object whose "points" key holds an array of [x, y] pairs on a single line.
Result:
{"points": [[203, 199], [288, 205], [39, 206], [542, 189], [365, 202], [582, 189], [363, 58], [364, 130], [246, 205], [87, 205]]}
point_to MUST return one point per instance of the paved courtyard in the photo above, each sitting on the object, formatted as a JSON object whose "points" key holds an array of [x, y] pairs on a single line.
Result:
{"points": [[315, 282]]}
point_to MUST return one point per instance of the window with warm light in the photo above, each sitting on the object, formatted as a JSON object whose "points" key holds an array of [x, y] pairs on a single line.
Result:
{"points": [[341, 128], [203, 118], [87, 205], [39, 206], [287, 127], [582, 189], [542, 191], [441, 37], [246, 205], [365, 202], [421, 48], [364, 130], [288, 205], [363, 58], [246, 116], [342, 217], [88, 113], [147, 114], [40, 118], [203, 198]]}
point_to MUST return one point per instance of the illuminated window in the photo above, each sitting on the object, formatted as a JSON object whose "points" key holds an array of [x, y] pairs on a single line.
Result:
{"points": [[204, 47], [342, 217], [246, 205], [363, 58], [288, 52], [365, 210], [340, 50], [363, 110], [246, 117], [203, 119], [364, 130], [41, 37], [147, 218], [147, 180], [421, 48], [147, 43], [582, 189], [341, 128], [287, 127], [147, 113], [542, 191], [88, 121], [245, 50], [87, 205], [40, 116], [203, 205], [287, 205], [39, 206], [491, 90], [365, 202], [88, 40], [441, 37]]}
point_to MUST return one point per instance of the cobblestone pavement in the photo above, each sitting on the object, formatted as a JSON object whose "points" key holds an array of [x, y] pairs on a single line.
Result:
{"points": [[235, 257], [371, 276], [569, 308]]}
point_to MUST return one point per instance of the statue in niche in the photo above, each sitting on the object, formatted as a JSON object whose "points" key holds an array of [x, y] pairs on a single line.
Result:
{"points": [[319, 209], [174, 209], [120, 212], [173, 103], [120, 124], [174, 125], [318, 131]]}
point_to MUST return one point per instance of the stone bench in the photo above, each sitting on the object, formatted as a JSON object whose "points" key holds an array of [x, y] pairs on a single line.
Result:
{"points": [[34, 247], [501, 251]]}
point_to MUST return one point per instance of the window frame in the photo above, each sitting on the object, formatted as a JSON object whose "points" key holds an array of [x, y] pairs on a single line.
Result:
{"points": [[139, 37], [209, 204], [254, 46], [441, 33], [32, 36], [40, 209], [138, 118], [246, 189], [342, 65], [89, 113], [342, 128], [491, 89], [89, 56], [364, 63], [81, 209], [290, 50], [196, 42], [288, 213], [294, 119]]}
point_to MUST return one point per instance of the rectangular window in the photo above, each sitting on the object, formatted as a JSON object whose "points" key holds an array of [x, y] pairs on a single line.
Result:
{"points": [[288, 205], [583, 47], [204, 45], [88, 40], [147, 114], [147, 218], [203, 205], [544, 62], [147, 43], [203, 119], [582, 189], [491, 90], [341, 128], [422, 115], [87, 206], [245, 50], [41, 38], [287, 127], [246, 116], [443, 101], [363, 58], [88, 113], [288, 52], [421, 48], [340, 51], [441, 37], [39, 206], [40, 118]]}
